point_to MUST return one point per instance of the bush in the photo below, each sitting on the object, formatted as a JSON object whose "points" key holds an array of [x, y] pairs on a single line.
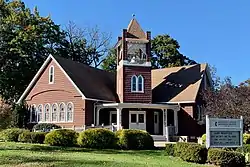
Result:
{"points": [[203, 138], [61, 137], [11, 135], [45, 127], [225, 158], [134, 139], [170, 149], [97, 138], [246, 138], [191, 152], [244, 149], [32, 137]]}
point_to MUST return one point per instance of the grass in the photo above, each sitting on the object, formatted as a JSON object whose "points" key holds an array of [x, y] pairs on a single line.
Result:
{"points": [[30, 155]]}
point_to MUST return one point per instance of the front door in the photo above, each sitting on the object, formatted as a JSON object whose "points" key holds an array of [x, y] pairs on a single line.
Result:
{"points": [[156, 122], [137, 120]]}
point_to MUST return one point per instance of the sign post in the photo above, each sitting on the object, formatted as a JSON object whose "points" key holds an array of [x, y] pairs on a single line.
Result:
{"points": [[222, 132]]}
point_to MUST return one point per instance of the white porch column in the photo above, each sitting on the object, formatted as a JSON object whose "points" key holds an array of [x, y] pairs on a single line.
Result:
{"points": [[165, 125], [176, 121], [98, 116], [119, 118]]}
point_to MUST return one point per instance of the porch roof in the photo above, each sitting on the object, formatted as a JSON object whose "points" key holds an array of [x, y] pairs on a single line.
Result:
{"points": [[174, 107]]}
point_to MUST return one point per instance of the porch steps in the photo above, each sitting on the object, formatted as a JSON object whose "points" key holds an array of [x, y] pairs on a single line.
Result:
{"points": [[159, 138]]}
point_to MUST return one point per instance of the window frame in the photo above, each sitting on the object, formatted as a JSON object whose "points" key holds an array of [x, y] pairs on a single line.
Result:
{"points": [[64, 111], [52, 111], [132, 83], [51, 74], [38, 112], [142, 84], [71, 111], [47, 104]]}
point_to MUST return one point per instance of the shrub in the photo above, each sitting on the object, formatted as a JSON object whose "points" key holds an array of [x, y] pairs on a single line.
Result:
{"points": [[46, 127], [226, 158], [203, 138], [61, 137], [134, 139], [170, 149], [191, 152], [244, 149], [11, 135], [246, 138], [32, 137], [97, 138]]}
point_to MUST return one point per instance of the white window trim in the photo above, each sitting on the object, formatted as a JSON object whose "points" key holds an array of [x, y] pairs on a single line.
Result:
{"points": [[62, 103], [53, 74], [45, 113], [31, 110], [142, 91], [41, 113], [72, 112], [136, 83], [52, 111]]}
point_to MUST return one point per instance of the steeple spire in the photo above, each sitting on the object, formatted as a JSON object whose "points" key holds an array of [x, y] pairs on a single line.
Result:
{"points": [[135, 30]]}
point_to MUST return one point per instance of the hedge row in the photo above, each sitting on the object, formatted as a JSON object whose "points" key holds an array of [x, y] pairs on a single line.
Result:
{"points": [[32, 137], [226, 158], [192, 152], [101, 139]]}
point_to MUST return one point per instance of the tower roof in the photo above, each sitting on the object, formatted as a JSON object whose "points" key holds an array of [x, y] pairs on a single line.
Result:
{"points": [[135, 30]]}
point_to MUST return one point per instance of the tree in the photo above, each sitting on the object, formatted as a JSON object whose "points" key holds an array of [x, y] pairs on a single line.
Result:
{"points": [[165, 53], [26, 39], [20, 115], [109, 64], [228, 100], [87, 46]]}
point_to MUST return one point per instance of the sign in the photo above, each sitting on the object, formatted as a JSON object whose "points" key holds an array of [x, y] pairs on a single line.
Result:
{"points": [[224, 132]]}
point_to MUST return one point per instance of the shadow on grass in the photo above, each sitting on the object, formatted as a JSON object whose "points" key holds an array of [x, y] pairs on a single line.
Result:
{"points": [[18, 159], [46, 148]]}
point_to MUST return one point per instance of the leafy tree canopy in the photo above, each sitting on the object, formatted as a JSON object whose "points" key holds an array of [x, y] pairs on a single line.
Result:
{"points": [[26, 40]]}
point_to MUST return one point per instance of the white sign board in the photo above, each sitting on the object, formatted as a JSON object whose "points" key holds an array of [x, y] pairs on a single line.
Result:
{"points": [[224, 132]]}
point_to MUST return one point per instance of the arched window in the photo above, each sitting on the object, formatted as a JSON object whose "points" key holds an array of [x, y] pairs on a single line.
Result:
{"points": [[33, 113], [51, 74], [39, 113], [54, 112], [133, 83], [70, 110], [46, 113], [62, 112], [140, 83]]}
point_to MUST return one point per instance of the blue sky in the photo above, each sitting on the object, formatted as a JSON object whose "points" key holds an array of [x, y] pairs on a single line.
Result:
{"points": [[212, 31]]}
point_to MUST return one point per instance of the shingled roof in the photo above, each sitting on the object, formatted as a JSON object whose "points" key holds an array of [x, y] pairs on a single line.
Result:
{"points": [[93, 83], [177, 84], [135, 30]]}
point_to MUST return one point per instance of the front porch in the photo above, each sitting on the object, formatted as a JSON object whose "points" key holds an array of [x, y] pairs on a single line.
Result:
{"points": [[160, 120]]}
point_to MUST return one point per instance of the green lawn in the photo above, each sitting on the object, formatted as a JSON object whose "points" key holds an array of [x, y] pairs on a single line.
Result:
{"points": [[24, 155]]}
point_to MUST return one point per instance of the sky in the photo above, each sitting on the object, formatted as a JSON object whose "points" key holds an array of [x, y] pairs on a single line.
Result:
{"points": [[216, 32]]}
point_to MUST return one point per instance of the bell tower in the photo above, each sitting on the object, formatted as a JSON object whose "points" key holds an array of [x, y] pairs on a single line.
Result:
{"points": [[133, 65]]}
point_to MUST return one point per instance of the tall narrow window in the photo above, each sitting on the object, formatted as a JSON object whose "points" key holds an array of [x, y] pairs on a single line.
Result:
{"points": [[33, 114], [51, 74], [62, 112], [54, 112], [46, 112], [140, 84], [39, 113], [70, 109], [133, 83]]}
